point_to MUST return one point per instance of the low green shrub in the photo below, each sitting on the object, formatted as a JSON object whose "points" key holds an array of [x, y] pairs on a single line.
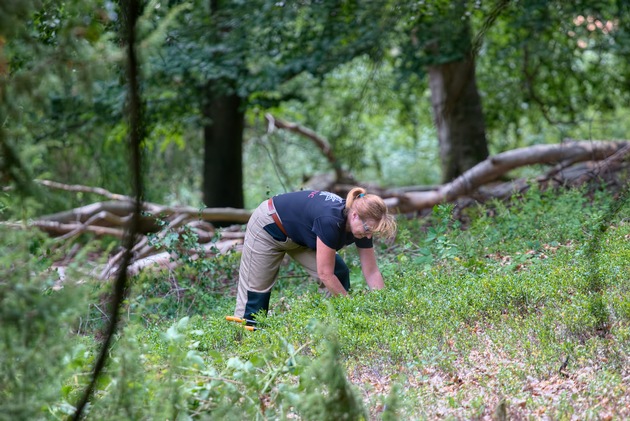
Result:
{"points": [[469, 318]]}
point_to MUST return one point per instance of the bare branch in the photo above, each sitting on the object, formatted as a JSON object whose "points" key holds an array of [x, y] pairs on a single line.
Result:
{"points": [[84, 189], [322, 144]]}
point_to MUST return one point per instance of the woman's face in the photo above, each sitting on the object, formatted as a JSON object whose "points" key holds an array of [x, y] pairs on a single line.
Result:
{"points": [[359, 227]]}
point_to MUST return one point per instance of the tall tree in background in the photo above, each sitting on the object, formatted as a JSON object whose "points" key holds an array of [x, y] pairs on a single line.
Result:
{"points": [[224, 118], [232, 53], [457, 108], [544, 64], [440, 44]]}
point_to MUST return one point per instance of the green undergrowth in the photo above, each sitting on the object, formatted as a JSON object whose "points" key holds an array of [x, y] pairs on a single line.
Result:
{"points": [[524, 309]]}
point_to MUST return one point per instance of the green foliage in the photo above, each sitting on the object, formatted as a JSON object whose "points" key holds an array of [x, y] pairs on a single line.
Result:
{"points": [[536, 219], [341, 70], [12, 13], [53, 59], [129, 392], [328, 394], [436, 245], [197, 383], [539, 98], [528, 285], [38, 314], [492, 310], [392, 404]]}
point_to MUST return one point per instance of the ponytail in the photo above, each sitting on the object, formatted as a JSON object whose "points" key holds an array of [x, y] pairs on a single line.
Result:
{"points": [[354, 194]]}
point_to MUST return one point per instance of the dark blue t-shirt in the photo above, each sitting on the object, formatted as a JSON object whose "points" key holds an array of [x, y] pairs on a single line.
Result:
{"points": [[309, 214]]}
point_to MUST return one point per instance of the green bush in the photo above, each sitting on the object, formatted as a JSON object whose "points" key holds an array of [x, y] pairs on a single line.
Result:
{"points": [[535, 219], [38, 317]]}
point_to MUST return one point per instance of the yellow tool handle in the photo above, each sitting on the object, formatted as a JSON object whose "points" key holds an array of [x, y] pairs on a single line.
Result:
{"points": [[239, 320]]}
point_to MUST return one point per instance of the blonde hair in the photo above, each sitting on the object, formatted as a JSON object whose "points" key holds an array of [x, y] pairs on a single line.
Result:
{"points": [[371, 206]]}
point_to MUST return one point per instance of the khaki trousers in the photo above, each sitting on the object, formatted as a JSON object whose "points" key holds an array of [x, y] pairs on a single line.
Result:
{"points": [[260, 263]]}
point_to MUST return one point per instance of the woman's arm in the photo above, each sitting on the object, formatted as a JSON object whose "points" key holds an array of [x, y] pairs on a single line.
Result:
{"points": [[326, 268], [372, 275]]}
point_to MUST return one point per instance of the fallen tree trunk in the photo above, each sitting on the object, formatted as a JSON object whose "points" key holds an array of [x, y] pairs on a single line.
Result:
{"points": [[609, 155], [166, 260], [110, 213], [157, 222]]}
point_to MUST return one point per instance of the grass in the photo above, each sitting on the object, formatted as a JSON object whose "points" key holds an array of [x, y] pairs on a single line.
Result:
{"points": [[525, 313]]}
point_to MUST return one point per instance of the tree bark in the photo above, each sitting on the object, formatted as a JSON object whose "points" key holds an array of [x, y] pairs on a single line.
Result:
{"points": [[455, 100], [223, 150], [458, 117]]}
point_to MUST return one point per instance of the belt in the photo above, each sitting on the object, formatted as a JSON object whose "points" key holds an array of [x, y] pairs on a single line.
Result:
{"points": [[274, 215]]}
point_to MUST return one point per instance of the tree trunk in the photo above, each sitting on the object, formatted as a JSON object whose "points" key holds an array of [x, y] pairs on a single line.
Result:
{"points": [[224, 121], [458, 117], [223, 152], [457, 110]]}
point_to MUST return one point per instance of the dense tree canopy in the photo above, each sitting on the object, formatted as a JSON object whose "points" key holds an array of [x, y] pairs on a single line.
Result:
{"points": [[555, 64], [62, 90]]}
